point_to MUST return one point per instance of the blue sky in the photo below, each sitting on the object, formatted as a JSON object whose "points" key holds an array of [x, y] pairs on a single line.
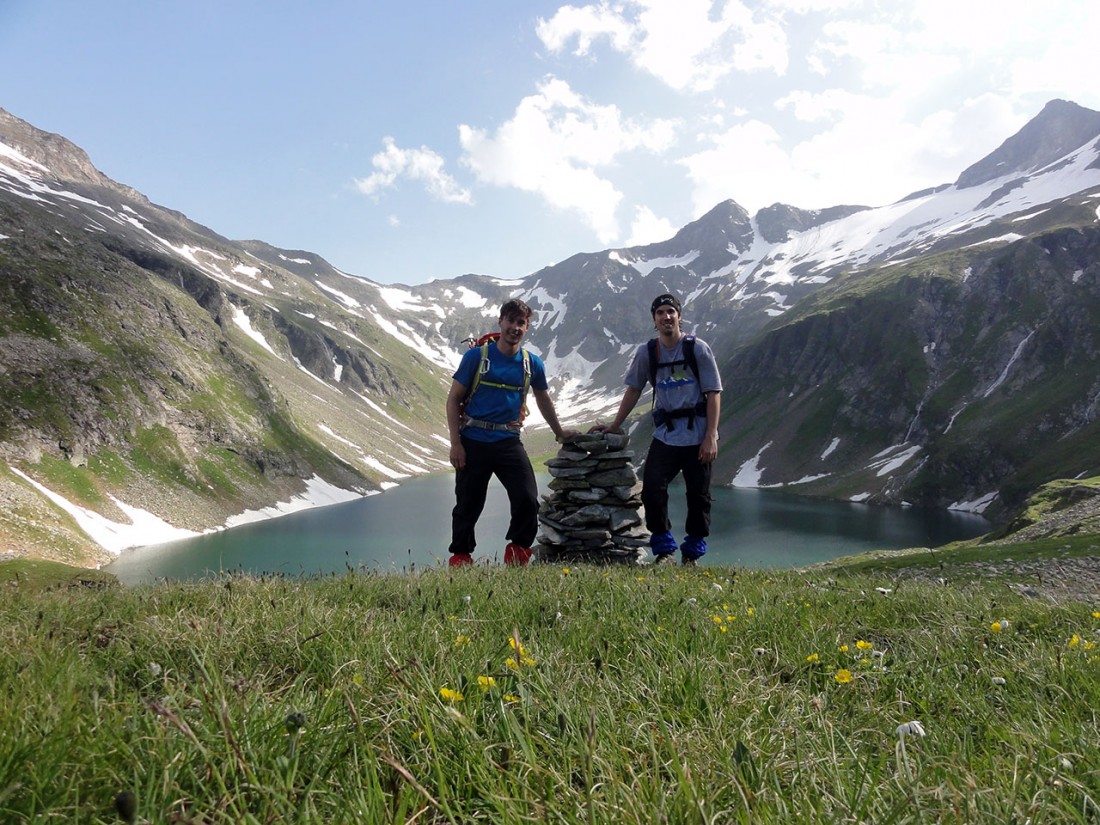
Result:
{"points": [[406, 141]]}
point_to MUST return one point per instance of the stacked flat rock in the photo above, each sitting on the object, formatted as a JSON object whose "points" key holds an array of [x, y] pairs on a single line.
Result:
{"points": [[594, 513]]}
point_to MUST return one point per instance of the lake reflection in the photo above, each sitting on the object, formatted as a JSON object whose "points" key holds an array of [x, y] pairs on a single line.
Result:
{"points": [[409, 527]]}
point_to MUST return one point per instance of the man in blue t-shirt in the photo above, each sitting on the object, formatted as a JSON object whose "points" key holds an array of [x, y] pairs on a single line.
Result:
{"points": [[686, 403], [484, 429]]}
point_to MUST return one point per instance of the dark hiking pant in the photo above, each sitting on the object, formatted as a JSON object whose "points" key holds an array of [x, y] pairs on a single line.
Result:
{"points": [[663, 463], [508, 461]]}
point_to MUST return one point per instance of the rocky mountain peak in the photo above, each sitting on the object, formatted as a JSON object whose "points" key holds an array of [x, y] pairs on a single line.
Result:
{"points": [[64, 159], [727, 224], [1057, 130], [778, 221]]}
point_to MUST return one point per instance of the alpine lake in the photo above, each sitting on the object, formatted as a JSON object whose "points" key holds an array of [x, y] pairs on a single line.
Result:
{"points": [[407, 528]]}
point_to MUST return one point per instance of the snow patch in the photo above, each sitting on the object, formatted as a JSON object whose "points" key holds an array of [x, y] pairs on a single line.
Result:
{"points": [[645, 267], [750, 472], [891, 459], [113, 536], [346, 300], [553, 316], [978, 505], [241, 319], [375, 464], [318, 493]]}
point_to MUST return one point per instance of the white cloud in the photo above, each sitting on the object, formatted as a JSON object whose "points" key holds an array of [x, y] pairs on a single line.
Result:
{"points": [[647, 228], [586, 23], [422, 165], [862, 150], [555, 146], [745, 162], [681, 42]]}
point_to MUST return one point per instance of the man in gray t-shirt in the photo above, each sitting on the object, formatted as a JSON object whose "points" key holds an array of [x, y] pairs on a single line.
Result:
{"points": [[687, 400]]}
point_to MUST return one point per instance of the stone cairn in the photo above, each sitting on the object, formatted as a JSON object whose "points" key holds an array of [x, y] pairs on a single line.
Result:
{"points": [[594, 513]]}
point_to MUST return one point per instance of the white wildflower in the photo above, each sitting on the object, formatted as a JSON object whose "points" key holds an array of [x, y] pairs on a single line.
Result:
{"points": [[716, 586], [466, 599], [885, 591], [913, 728], [998, 680]]}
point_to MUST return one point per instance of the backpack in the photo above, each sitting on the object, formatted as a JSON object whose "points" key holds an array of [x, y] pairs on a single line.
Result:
{"points": [[660, 416], [688, 359], [483, 342]]}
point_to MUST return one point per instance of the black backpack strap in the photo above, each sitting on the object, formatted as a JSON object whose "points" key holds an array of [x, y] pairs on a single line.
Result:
{"points": [[689, 358], [651, 345], [689, 355], [668, 416]]}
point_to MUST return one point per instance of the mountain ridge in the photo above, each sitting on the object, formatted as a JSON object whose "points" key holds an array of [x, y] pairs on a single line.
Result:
{"points": [[256, 369]]}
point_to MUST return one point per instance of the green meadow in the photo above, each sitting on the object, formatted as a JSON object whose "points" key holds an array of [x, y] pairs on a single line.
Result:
{"points": [[547, 694]]}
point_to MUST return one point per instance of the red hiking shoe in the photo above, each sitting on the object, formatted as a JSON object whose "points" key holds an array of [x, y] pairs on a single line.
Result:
{"points": [[516, 556], [461, 560]]}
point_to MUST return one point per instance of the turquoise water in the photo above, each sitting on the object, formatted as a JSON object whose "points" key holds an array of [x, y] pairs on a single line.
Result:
{"points": [[408, 527]]}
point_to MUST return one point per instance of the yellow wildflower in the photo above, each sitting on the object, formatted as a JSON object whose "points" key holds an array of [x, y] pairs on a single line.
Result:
{"points": [[844, 648], [486, 682], [751, 612], [1096, 614], [451, 695], [996, 627], [844, 676], [510, 697], [813, 657], [1074, 640], [862, 645], [565, 571], [516, 646], [462, 641]]}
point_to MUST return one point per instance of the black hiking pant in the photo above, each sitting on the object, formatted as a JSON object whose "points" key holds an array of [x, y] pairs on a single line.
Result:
{"points": [[663, 463], [508, 461]]}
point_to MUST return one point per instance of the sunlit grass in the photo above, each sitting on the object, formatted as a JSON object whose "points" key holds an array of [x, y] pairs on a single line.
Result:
{"points": [[549, 694]]}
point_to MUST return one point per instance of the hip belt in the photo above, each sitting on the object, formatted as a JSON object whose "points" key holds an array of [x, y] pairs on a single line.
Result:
{"points": [[510, 427]]}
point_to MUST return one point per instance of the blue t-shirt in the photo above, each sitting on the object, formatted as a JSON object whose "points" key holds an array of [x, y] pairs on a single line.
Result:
{"points": [[677, 388], [494, 404]]}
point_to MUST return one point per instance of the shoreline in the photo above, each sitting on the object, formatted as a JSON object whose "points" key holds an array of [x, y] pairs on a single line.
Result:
{"points": [[146, 529]]}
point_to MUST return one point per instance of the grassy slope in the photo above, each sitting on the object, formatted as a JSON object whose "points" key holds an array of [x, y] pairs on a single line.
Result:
{"points": [[646, 696]]}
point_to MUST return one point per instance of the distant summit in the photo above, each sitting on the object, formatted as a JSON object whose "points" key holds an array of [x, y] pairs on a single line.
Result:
{"points": [[1057, 130]]}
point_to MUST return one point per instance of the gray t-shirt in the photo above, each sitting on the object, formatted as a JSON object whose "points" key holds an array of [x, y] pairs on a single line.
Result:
{"points": [[677, 388]]}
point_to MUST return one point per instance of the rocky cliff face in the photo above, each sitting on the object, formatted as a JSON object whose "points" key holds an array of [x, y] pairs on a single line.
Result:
{"points": [[935, 383], [149, 363]]}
